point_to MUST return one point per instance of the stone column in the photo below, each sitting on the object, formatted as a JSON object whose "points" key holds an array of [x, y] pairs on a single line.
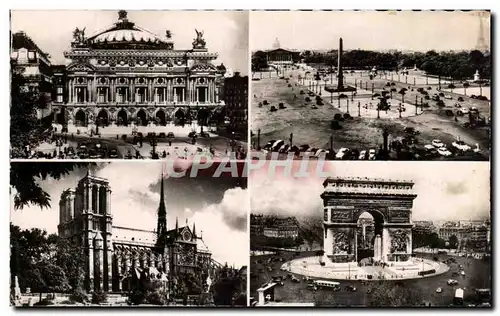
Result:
{"points": [[187, 90], [409, 249], [70, 90], [86, 189], [328, 242], [109, 263], [119, 272], [377, 249], [90, 263], [108, 201], [132, 90], [386, 244]]}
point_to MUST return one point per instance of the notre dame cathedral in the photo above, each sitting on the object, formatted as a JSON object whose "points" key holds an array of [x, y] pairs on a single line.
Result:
{"points": [[116, 258]]}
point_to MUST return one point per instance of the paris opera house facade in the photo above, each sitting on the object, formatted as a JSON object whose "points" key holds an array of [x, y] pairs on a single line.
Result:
{"points": [[126, 75]]}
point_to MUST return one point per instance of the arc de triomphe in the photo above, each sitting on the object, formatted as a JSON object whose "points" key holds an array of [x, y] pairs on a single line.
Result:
{"points": [[389, 202]]}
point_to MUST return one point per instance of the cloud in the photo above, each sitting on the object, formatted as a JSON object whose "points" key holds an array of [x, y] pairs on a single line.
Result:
{"points": [[445, 191], [456, 188], [225, 32], [219, 212], [224, 228]]}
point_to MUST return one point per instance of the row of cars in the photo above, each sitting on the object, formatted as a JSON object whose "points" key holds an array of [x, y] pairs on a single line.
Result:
{"points": [[439, 148], [279, 146]]}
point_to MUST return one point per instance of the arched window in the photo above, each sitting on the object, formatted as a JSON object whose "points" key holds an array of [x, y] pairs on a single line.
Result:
{"points": [[102, 200], [94, 198]]}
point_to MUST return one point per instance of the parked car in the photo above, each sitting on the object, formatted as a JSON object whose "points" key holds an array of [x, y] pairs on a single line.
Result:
{"points": [[452, 282], [443, 151], [343, 153], [437, 143], [439, 290], [460, 145], [371, 154], [277, 145], [113, 154], [362, 155], [351, 288], [448, 97]]}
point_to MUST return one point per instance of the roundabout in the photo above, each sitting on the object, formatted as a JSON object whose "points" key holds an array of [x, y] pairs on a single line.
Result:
{"points": [[315, 267]]}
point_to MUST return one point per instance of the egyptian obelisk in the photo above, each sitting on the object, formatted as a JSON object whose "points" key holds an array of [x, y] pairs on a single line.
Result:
{"points": [[340, 76]]}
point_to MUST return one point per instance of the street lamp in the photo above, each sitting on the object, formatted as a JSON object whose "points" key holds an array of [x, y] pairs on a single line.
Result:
{"points": [[153, 142]]}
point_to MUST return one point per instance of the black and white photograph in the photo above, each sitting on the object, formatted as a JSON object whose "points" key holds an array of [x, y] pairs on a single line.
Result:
{"points": [[128, 85], [125, 234], [371, 85], [399, 234]]}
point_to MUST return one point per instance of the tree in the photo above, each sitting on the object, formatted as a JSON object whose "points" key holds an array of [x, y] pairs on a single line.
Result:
{"points": [[453, 240], [259, 61], [45, 263], [24, 176], [466, 85], [203, 116], [393, 294], [26, 130]]}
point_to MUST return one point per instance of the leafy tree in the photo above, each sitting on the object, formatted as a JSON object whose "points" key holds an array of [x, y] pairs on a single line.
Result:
{"points": [[392, 294], [203, 117], [259, 61], [24, 176], [26, 130], [453, 240]]}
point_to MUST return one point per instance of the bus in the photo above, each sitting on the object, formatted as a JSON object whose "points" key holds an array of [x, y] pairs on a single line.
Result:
{"points": [[483, 296], [459, 297], [327, 284]]}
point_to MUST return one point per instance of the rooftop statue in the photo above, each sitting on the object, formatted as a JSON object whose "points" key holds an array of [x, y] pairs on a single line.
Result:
{"points": [[79, 37], [199, 41]]}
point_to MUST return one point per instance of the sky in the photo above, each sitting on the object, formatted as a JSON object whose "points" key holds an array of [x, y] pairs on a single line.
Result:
{"points": [[445, 191], [218, 206], [225, 32], [369, 30]]}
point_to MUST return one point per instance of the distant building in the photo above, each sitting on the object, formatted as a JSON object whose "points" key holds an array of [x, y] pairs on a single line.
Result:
{"points": [[36, 66], [282, 56], [424, 227], [274, 226], [236, 99]]}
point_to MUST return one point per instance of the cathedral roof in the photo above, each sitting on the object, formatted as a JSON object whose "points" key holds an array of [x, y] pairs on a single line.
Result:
{"points": [[133, 235], [125, 33], [201, 246]]}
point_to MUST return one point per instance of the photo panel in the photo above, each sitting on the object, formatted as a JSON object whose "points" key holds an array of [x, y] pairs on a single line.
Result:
{"points": [[372, 234], [128, 85], [371, 85], [118, 234]]}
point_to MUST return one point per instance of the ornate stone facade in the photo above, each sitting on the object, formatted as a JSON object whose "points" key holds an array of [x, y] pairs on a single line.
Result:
{"points": [[389, 202], [118, 258], [126, 75]]}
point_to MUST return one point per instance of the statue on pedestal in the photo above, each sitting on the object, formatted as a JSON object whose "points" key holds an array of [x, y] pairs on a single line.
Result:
{"points": [[199, 41], [78, 37]]}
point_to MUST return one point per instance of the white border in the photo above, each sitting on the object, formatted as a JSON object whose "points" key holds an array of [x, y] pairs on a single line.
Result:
{"points": [[177, 5]]}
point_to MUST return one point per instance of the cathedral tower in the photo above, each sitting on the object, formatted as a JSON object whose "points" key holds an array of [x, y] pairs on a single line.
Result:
{"points": [[92, 211], [161, 229]]}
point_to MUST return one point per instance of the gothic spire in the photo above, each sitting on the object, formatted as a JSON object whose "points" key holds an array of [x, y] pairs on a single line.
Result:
{"points": [[194, 230], [162, 216], [176, 224]]}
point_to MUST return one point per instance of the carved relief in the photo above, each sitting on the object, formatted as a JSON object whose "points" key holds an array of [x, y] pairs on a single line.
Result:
{"points": [[340, 244], [341, 216], [399, 240]]}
